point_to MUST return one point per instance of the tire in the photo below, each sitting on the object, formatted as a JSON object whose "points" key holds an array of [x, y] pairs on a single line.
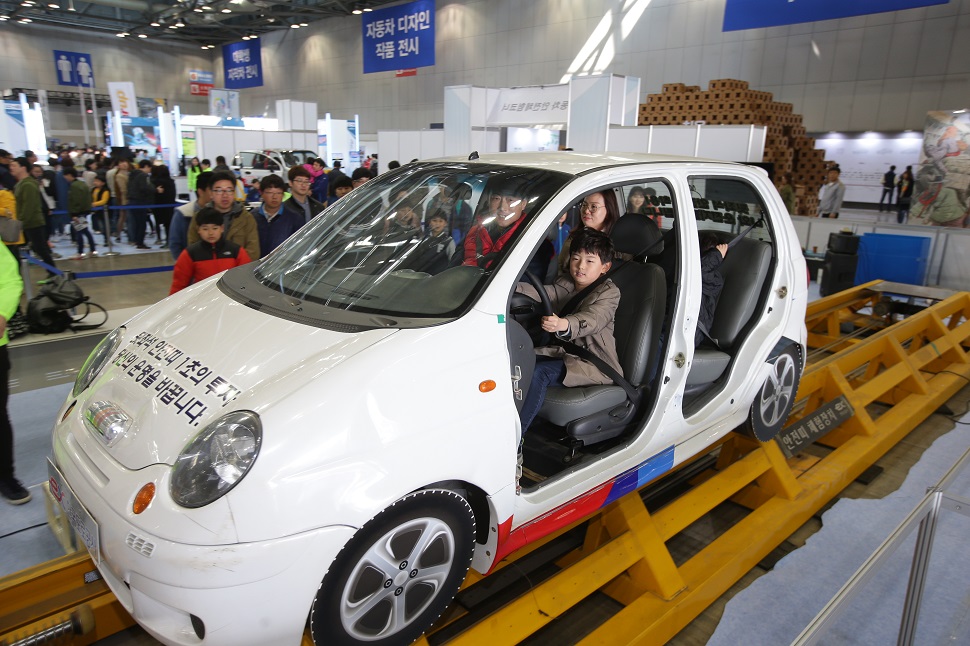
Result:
{"points": [[769, 412], [397, 574]]}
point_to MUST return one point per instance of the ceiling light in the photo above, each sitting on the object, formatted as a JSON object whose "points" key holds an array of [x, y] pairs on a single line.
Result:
{"points": [[172, 27], [227, 10], [26, 20], [180, 24], [4, 18], [143, 35], [156, 24], [357, 11], [294, 26], [303, 24], [27, 3], [197, 10], [122, 34], [367, 9], [245, 37], [53, 5], [205, 47], [206, 7]]}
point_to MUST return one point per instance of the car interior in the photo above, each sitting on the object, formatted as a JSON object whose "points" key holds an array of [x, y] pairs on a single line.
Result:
{"points": [[578, 425]]}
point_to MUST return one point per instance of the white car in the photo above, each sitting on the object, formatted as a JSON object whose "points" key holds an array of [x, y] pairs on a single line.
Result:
{"points": [[252, 165], [329, 437]]}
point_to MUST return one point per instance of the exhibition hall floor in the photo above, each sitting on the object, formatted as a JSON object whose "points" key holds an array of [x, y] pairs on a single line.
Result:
{"points": [[45, 366]]}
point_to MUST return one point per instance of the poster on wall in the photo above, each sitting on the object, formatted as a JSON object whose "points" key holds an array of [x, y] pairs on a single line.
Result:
{"points": [[400, 37], [224, 104], [242, 64], [200, 82], [141, 134], [942, 194], [13, 132], [188, 143], [755, 14], [865, 158]]}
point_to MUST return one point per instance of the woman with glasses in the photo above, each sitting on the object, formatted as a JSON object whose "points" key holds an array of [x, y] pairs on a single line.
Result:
{"points": [[599, 212]]}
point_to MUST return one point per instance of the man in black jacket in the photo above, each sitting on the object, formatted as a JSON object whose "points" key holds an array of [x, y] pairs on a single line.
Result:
{"points": [[141, 194], [300, 200]]}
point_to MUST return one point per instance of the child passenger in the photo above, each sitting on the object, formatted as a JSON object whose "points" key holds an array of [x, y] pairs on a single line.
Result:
{"points": [[590, 325], [712, 282], [208, 256]]}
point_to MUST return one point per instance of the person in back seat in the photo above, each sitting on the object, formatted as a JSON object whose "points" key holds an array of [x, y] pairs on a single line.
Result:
{"points": [[590, 325], [712, 282]]}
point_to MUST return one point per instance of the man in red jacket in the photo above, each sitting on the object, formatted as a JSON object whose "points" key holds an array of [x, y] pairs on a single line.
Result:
{"points": [[210, 255]]}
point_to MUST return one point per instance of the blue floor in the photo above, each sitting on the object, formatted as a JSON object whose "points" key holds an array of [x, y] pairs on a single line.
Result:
{"points": [[25, 539], [776, 607]]}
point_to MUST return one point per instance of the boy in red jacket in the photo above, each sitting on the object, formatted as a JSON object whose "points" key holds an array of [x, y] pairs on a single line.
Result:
{"points": [[210, 255]]}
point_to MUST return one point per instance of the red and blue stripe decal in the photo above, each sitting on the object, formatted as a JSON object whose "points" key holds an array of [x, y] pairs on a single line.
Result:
{"points": [[582, 506]]}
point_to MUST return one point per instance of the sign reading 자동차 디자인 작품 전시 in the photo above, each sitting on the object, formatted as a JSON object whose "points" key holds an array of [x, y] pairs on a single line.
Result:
{"points": [[399, 37]]}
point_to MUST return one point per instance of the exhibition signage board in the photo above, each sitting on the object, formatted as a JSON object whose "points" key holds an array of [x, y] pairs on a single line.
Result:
{"points": [[123, 99], [399, 37], [539, 104], [940, 194], [825, 418], [755, 14], [200, 82], [242, 64], [73, 68]]}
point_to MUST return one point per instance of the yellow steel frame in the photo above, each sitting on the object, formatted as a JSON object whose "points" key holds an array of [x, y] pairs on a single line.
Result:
{"points": [[894, 379]]}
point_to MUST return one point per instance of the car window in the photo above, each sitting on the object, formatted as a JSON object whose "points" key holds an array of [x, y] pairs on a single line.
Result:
{"points": [[245, 159], [295, 157], [374, 252], [728, 206]]}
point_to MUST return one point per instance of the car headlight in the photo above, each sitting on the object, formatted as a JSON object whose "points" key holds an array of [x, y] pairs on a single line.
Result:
{"points": [[97, 360], [216, 459]]}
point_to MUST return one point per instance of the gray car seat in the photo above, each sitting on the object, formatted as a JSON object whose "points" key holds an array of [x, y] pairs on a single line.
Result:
{"points": [[592, 414], [745, 269]]}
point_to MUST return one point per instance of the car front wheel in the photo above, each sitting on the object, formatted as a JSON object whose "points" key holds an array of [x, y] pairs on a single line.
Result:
{"points": [[770, 410], [398, 573]]}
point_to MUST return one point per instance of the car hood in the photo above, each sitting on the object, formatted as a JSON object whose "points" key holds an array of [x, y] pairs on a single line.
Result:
{"points": [[199, 355]]}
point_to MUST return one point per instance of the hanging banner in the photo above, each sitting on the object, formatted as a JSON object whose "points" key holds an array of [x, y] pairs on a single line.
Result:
{"points": [[200, 82], [123, 99], [73, 68], [242, 64], [755, 14], [400, 37]]}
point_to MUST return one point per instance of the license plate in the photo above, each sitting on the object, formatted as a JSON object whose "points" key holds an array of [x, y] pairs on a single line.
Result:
{"points": [[85, 527]]}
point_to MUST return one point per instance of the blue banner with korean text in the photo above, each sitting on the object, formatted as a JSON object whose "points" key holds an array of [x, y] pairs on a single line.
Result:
{"points": [[242, 65], [755, 14], [399, 37]]}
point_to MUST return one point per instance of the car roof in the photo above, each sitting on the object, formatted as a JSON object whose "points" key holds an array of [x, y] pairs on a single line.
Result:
{"points": [[576, 163]]}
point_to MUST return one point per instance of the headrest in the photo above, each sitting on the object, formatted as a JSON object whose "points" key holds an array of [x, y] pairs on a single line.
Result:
{"points": [[637, 235]]}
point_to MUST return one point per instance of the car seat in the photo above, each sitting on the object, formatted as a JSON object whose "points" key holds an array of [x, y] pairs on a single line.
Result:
{"points": [[593, 414], [744, 269]]}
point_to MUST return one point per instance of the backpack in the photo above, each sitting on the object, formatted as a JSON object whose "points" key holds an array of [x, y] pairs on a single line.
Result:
{"points": [[49, 312]]}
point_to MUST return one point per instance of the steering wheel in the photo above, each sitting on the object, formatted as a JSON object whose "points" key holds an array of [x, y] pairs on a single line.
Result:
{"points": [[543, 296]]}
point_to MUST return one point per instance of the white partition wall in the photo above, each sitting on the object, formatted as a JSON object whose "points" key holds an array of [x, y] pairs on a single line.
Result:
{"points": [[728, 143], [404, 145], [211, 142], [589, 113]]}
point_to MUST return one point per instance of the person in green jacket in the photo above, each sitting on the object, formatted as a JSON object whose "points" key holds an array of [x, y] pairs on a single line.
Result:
{"points": [[193, 173], [11, 287], [79, 208], [787, 192], [27, 194]]}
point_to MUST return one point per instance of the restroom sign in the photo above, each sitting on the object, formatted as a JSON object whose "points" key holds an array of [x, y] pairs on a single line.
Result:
{"points": [[73, 68]]}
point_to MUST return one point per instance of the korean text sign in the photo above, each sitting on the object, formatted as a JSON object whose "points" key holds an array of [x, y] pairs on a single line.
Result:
{"points": [[399, 37], [242, 64]]}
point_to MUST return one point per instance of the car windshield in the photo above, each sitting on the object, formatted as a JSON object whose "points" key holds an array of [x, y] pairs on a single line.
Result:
{"points": [[294, 157], [420, 242]]}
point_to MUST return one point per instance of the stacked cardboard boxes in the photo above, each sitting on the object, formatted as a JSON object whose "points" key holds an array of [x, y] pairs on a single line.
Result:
{"points": [[731, 102]]}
